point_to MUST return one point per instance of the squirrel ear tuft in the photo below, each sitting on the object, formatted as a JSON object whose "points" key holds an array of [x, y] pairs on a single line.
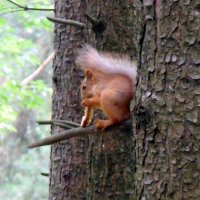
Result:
{"points": [[88, 74]]}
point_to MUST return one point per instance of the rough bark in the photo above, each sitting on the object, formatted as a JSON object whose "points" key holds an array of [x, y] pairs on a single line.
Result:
{"points": [[68, 159], [111, 157], [167, 130]]}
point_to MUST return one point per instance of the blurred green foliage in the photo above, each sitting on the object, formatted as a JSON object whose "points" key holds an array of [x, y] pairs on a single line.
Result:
{"points": [[26, 41]]}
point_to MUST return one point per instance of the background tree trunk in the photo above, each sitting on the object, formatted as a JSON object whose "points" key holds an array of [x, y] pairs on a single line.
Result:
{"points": [[167, 131]]}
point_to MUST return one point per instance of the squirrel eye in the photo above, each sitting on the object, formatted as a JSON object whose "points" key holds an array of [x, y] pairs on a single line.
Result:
{"points": [[84, 87]]}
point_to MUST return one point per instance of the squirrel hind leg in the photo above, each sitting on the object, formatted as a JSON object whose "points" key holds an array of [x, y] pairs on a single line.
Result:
{"points": [[117, 109], [115, 106], [103, 124]]}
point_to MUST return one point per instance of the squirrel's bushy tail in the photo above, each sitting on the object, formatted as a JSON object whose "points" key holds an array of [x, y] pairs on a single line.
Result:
{"points": [[89, 57]]}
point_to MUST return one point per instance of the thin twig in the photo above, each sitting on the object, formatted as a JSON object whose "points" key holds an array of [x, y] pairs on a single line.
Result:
{"points": [[91, 19], [62, 125], [67, 22], [15, 4], [44, 174], [29, 8], [44, 122], [37, 71]]}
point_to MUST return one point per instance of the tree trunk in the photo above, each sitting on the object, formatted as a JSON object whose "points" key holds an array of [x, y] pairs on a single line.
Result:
{"points": [[108, 170], [111, 157], [68, 159], [167, 131]]}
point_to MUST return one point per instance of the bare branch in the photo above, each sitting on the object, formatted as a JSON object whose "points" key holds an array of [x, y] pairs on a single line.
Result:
{"points": [[44, 174], [64, 135], [45, 122], [75, 132], [37, 71], [67, 22], [15, 4], [91, 19], [63, 125], [29, 8]]}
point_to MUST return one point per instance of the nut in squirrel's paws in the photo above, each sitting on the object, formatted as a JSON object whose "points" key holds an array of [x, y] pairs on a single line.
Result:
{"points": [[83, 122], [87, 118]]}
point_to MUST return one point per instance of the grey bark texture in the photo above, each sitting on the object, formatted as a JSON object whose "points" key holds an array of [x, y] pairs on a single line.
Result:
{"points": [[167, 129], [68, 159], [111, 158], [160, 158]]}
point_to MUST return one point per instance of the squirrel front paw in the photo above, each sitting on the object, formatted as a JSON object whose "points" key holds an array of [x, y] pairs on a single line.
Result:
{"points": [[85, 102]]}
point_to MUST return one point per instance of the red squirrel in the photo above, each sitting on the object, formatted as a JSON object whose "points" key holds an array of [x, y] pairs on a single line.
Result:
{"points": [[109, 85]]}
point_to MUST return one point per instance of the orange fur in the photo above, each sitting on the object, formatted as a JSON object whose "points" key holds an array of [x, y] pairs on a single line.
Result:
{"points": [[109, 85], [110, 93]]}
